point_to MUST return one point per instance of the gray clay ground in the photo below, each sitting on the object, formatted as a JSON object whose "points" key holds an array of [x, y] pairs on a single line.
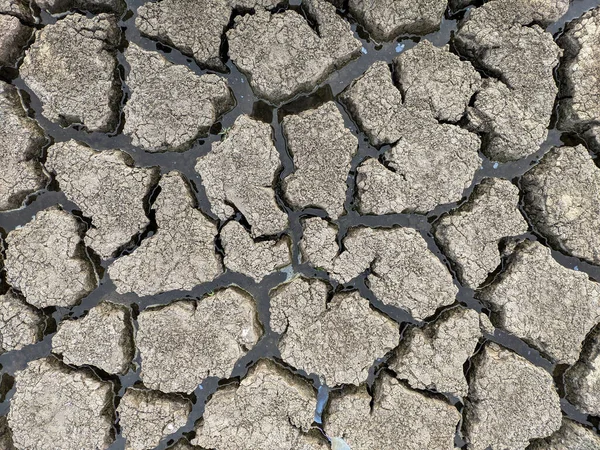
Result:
{"points": [[299, 225]]}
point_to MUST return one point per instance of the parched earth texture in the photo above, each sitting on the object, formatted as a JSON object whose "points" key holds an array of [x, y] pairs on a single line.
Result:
{"points": [[299, 224]]}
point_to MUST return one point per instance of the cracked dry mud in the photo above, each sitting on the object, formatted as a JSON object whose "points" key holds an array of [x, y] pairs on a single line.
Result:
{"points": [[299, 225]]}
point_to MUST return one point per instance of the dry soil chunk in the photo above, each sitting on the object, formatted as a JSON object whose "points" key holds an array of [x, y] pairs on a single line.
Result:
{"points": [[21, 141], [255, 259], [434, 77], [515, 112], [57, 407], [270, 408], [470, 234], [13, 37], [170, 106], [433, 357], [103, 338], [505, 14], [318, 245], [17, 8], [148, 416], [72, 68], [512, 129], [432, 164], [570, 436], [193, 27], [187, 341], [562, 198], [337, 340], [107, 188], [376, 105], [579, 72], [93, 6], [388, 19], [582, 380], [398, 417], [252, 4], [180, 255], [322, 148], [532, 295], [282, 55], [240, 171], [403, 271], [511, 401], [46, 260], [20, 324]]}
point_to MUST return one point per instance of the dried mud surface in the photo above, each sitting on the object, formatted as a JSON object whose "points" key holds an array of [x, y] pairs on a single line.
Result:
{"points": [[314, 239]]}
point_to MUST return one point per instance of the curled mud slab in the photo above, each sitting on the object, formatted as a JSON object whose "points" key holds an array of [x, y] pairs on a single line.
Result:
{"points": [[299, 224]]}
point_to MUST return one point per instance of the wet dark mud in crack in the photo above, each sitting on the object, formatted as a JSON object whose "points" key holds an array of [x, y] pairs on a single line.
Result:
{"points": [[185, 161]]}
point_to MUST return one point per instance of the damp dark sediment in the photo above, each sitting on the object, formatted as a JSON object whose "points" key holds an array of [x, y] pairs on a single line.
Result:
{"points": [[248, 103]]}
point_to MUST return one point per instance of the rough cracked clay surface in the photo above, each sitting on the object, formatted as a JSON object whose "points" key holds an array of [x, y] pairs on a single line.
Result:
{"points": [[93, 6], [429, 166], [388, 19], [58, 407], [431, 163], [582, 380], [510, 401], [322, 148], [397, 414], [318, 245], [20, 323], [72, 68], [514, 111], [182, 343], [433, 77], [402, 271], [17, 8], [376, 105], [255, 259], [338, 339], [103, 338], [470, 234], [108, 188], [193, 27], [283, 56], [432, 83], [532, 291], [433, 357], [562, 198], [180, 255], [13, 37], [580, 90], [148, 416], [270, 408], [21, 141], [47, 262], [299, 224], [170, 106], [570, 436], [240, 172]]}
